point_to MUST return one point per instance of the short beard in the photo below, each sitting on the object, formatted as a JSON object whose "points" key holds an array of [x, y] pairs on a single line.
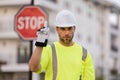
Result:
{"points": [[66, 41]]}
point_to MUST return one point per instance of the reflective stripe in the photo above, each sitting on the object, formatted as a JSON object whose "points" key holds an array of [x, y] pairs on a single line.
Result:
{"points": [[42, 75], [84, 54], [54, 64], [54, 61], [80, 77], [83, 58]]}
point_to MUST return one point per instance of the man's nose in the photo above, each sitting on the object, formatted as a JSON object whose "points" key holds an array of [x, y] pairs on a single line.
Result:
{"points": [[66, 32]]}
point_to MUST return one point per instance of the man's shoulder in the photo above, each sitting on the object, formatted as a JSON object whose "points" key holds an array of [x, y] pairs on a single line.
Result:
{"points": [[79, 45]]}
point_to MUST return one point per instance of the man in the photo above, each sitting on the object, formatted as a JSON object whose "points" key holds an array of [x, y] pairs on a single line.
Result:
{"points": [[70, 65]]}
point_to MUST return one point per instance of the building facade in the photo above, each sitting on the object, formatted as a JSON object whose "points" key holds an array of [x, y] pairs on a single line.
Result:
{"points": [[94, 31]]}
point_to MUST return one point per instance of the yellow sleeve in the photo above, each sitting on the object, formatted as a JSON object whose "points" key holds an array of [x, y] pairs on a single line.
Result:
{"points": [[45, 58], [88, 68]]}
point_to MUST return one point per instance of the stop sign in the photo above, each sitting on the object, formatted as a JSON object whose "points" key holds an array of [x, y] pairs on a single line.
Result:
{"points": [[28, 20]]}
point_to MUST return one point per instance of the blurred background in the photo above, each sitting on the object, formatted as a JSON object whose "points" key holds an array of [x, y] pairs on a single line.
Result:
{"points": [[98, 29]]}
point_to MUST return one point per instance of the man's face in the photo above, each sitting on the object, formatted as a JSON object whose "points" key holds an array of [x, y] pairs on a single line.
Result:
{"points": [[66, 34]]}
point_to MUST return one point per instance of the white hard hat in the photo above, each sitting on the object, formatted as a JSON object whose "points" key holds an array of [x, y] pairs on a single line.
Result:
{"points": [[65, 18]]}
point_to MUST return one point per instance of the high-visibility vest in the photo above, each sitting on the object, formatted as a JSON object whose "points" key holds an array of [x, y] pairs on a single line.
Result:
{"points": [[54, 63]]}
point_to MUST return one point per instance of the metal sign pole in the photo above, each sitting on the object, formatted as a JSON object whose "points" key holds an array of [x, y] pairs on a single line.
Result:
{"points": [[31, 48]]}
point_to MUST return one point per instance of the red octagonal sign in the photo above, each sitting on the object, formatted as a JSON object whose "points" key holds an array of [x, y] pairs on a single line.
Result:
{"points": [[28, 20]]}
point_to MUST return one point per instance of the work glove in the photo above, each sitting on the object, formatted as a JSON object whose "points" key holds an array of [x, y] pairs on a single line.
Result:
{"points": [[42, 36]]}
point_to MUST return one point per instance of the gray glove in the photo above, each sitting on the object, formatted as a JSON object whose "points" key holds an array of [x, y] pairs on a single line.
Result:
{"points": [[42, 36]]}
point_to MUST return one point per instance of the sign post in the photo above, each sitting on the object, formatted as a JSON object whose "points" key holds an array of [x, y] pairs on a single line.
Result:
{"points": [[27, 21]]}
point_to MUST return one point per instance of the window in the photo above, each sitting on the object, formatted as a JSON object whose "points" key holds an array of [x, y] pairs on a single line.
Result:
{"points": [[52, 0], [23, 54], [78, 10], [67, 5], [89, 39], [114, 26], [89, 15], [4, 43], [79, 36], [113, 43], [96, 3], [113, 20]]}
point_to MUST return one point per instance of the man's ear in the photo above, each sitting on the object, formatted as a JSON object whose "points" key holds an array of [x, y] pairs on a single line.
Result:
{"points": [[56, 28], [74, 27]]}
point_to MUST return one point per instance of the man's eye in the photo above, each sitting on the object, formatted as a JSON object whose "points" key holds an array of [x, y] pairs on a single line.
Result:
{"points": [[62, 28], [70, 28]]}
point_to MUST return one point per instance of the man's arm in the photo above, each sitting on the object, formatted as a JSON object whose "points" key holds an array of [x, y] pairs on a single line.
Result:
{"points": [[34, 63], [88, 68], [42, 38]]}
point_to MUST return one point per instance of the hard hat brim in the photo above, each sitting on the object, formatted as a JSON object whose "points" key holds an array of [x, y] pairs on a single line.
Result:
{"points": [[65, 25]]}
